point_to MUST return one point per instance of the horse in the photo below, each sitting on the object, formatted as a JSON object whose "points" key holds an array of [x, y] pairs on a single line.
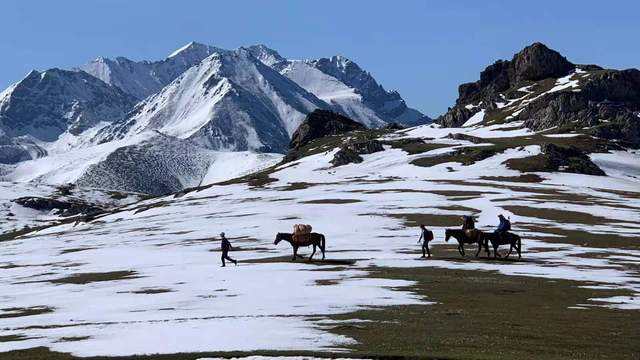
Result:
{"points": [[463, 238], [315, 239], [506, 238]]}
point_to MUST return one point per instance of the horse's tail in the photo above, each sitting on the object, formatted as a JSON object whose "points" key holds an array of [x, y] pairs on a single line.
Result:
{"points": [[322, 241], [519, 243]]}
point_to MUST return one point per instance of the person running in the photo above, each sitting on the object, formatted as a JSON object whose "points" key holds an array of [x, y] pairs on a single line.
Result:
{"points": [[504, 226], [225, 246], [427, 235]]}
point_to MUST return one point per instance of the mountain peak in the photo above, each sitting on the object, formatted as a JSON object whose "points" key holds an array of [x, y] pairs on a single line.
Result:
{"points": [[190, 47], [537, 61], [265, 54]]}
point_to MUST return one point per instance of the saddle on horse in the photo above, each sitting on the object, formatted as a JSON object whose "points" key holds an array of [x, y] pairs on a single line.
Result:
{"points": [[301, 233]]}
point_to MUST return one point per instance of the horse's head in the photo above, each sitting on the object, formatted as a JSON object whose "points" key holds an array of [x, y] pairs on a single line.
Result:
{"points": [[447, 235], [279, 238]]}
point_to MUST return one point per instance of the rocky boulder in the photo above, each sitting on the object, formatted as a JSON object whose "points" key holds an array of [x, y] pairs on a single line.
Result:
{"points": [[350, 153], [537, 62], [321, 123]]}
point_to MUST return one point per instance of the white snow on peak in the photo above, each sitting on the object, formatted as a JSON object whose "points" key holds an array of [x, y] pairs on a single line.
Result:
{"points": [[336, 93], [185, 47]]}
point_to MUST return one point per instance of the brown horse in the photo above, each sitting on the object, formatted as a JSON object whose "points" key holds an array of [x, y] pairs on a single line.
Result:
{"points": [[464, 238], [505, 239], [296, 241]]}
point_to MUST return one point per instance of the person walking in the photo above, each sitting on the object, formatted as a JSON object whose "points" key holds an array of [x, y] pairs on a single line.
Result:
{"points": [[426, 235], [225, 246]]}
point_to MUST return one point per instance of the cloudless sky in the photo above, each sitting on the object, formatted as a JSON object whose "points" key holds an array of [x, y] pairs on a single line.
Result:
{"points": [[424, 49]]}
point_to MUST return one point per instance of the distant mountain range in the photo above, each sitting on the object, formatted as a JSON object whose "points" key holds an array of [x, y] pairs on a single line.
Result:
{"points": [[161, 126], [201, 100]]}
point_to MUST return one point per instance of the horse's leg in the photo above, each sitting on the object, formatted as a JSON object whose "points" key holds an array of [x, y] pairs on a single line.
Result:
{"points": [[510, 250], [495, 251], [519, 247], [295, 252], [462, 249], [313, 252], [479, 247]]}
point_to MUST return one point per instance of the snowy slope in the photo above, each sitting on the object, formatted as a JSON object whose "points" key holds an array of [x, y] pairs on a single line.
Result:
{"points": [[143, 78], [229, 101], [46, 106], [342, 98], [388, 105], [169, 282]]}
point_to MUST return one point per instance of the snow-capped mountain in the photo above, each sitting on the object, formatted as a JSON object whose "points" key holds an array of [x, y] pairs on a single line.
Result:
{"points": [[345, 86], [229, 101], [144, 78], [389, 105], [83, 126], [349, 89], [44, 106]]}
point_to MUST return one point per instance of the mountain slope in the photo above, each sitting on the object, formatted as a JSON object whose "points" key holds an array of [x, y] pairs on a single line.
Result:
{"points": [[143, 78], [46, 105], [344, 85], [229, 101], [389, 105]]}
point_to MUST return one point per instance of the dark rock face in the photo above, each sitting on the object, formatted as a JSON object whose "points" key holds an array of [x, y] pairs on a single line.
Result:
{"points": [[346, 156], [456, 116], [535, 62], [608, 104], [350, 153], [605, 103], [321, 123], [46, 104], [61, 207]]}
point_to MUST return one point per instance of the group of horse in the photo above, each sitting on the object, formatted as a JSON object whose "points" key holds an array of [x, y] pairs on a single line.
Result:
{"points": [[482, 239], [475, 236]]}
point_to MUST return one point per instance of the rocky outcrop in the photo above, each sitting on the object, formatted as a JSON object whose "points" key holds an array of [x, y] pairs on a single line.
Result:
{"points": [[59, 207], [607, 105], [535, 62], [558, 95], [321, 123], [350, 153], [346, 156]]}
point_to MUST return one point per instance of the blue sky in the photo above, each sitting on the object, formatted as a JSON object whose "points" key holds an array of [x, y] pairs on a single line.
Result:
{"points": [[424, 49]]}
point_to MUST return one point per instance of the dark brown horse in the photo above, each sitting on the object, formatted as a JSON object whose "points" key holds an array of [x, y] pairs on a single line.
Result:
{"points": [[505, 239], [464, 238], [315, 239]]}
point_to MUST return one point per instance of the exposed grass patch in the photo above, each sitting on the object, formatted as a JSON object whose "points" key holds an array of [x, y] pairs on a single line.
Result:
{"points": [[73, 338], [559, 216], [331, 201], [21, 312], [524, 178], [485, 315], [414, 146], [67, 251], [583, 238], [149, 291], [86, 278], [15, 337]]}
